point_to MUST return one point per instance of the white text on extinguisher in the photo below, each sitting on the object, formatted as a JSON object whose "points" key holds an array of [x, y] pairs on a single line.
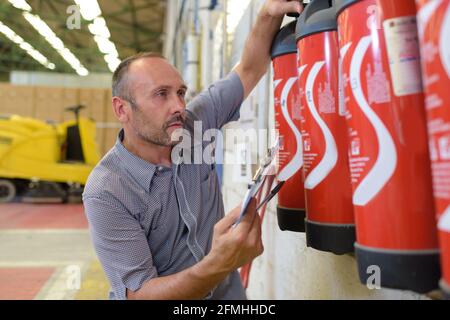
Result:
{"points": [[444, 148], [374, 19], [440, 148]]}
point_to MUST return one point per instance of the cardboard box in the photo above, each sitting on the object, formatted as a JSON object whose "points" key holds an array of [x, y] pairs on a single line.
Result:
{"points": [[94, 100], [17, 100], [110, 116], [6, 106], [49, 103], [99, 105], [71, 97], [100, 139]]}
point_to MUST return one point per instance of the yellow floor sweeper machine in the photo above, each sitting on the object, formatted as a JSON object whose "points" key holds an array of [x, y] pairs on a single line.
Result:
{"points": [[42, 162]]}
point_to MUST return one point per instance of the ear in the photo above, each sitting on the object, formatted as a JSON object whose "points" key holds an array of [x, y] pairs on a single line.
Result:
{"points": [[120, 109]]}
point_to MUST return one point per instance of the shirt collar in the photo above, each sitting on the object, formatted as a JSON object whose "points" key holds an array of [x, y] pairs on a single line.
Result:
{"points": [[142, 171]]}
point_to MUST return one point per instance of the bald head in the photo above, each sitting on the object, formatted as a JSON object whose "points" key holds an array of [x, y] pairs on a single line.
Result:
{"points": [[120, 85], [149, 99]]}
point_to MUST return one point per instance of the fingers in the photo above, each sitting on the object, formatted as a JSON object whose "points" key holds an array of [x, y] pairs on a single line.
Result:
{"points": [[246, 223], [254, 235], [226, 222], [251, 239], [251, 207], [292, 6], [229, 219]]}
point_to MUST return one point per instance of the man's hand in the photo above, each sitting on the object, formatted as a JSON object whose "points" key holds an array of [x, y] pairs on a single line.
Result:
{"points": [[278, 8], [233, 247]]}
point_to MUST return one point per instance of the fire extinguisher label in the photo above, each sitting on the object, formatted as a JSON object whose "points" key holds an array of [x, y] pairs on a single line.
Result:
{"points": [[296, 162], [342, 80], [327, 102], [386, 161], [289, 157], [388, 153], [329, 159], [440, 157], [377, 84], [404, 54]]}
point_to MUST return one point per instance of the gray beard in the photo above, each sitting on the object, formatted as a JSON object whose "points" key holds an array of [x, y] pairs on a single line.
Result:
{"points": [[162, 139], [158, 140]]}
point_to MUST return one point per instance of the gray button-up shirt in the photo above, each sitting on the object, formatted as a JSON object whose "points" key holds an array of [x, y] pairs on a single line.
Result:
{"points": [[147, 220]]}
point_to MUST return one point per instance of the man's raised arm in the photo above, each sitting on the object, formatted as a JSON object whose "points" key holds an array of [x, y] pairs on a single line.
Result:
{"points": [[256, 56]]}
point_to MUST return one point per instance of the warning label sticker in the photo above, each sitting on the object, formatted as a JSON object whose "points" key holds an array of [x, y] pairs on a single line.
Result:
{"points": [[327, 103], [404, 54]]}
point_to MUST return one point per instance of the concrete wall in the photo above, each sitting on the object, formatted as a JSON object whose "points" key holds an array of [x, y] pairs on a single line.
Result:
{"points": [[288, 269]]}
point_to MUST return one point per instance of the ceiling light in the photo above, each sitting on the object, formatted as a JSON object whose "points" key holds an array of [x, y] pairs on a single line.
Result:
{"points": [[99, 28], [82, 72], [28, 48], [105, 45], [48, 34], [20, 4], [89, 9]]}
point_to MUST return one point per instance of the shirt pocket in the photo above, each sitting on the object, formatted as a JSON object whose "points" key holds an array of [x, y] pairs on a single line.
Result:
{"points": [[150, 217], [208, 198], [208, 183], [159, 219]]}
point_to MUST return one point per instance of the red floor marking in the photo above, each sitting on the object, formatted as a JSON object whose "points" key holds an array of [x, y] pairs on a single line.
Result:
{"points": [[29, 216], [22, 283]]}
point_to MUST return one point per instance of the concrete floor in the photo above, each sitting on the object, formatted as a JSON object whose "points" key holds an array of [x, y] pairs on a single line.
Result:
{"points": [[46, 253]]}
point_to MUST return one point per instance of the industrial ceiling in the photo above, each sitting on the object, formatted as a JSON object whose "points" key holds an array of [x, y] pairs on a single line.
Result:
{"points": [[134, 26]]}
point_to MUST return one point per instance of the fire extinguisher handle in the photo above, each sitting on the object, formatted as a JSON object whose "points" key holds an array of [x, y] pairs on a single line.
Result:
{"points": [[293, 14], [296, 14]]}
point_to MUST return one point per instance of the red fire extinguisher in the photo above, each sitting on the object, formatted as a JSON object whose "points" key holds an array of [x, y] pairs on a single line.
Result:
{"points": [[434, 33], [388, 149], [291, 199], [329, 223]]}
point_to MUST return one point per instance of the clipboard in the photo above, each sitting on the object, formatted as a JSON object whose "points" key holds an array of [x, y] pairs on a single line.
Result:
{"points": [[267, 168]]}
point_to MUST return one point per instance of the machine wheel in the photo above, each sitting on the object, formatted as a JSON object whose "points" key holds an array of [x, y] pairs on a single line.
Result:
{"points": [[44, 192], [74, 193], [7, 191]]}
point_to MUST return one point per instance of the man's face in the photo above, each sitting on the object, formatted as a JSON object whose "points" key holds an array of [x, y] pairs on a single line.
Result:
{"points": [[158, 92]]}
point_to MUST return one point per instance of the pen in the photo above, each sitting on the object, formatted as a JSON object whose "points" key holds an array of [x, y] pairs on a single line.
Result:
{"points": [[271, 195]]}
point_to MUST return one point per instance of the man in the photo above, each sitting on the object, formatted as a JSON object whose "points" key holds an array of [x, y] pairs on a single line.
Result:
{"points": [[158, 227]]}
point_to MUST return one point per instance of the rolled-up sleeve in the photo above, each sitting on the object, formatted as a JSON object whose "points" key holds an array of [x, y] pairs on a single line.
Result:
{"points": [[220, 103], [121, 245]]}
